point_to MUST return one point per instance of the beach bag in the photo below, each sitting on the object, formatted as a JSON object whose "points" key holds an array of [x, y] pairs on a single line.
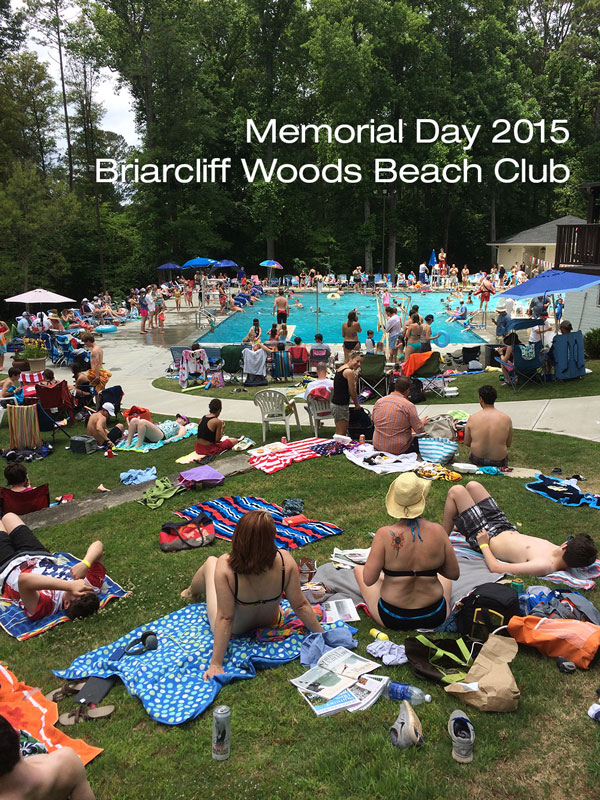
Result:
{"points": [[416, 393], [255, 380], [488, 607], [441, 660], [437, 450], [573, 639], [441, 426], [187, 534], [360, 424], [83, 445], [216, 379]]}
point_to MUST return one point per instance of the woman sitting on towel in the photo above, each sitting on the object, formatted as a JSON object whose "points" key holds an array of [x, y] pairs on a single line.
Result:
{"points": [[151, 432], [406, 581], [243, 589], [210, 430]]}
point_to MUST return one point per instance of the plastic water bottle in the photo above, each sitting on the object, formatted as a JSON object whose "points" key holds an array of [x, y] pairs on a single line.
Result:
{"points": [[379, 635], [404, 691]]}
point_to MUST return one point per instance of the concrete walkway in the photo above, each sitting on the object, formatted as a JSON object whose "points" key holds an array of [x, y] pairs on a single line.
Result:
{"points": [[136, 360]]}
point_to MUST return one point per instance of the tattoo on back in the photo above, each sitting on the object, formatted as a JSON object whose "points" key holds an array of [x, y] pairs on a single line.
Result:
{"points": [[397, 541]]}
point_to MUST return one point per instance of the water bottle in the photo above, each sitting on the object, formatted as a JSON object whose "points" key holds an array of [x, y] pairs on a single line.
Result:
{"points": [[376, 634], [404, 691]]}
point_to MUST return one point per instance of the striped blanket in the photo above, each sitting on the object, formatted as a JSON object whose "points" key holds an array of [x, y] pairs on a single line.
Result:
{"points": [[576, 578], [295, 451], [226, 511], [15, 622]]}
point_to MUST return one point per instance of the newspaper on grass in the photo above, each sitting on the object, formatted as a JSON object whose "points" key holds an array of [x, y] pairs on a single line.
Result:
{"points": [[343, 609], [335, 671], [362, 695], [350, 558], [325, 708]]}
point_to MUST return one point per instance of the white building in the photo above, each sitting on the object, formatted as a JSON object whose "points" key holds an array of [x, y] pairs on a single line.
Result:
{"points": [[537, 243]]}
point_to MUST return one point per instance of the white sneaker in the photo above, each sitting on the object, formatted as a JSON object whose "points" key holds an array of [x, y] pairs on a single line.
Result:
{"points": [[462, 734], [407, 730]]}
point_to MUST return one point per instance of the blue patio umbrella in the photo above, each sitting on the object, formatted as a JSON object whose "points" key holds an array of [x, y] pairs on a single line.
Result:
{"points": [[225, 263], [553, 281], [170, 265], [199, 262], [432, 259]]}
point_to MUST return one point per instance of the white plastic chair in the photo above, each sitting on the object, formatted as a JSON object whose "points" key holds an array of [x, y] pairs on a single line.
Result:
{"points": [[318, 411], [274, 407]]}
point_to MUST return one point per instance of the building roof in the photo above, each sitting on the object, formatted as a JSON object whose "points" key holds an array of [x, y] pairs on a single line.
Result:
{"points": [[541, 234]]}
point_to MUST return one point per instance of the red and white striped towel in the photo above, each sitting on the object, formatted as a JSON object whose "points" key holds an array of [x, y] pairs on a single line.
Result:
{"points": [[31, 377], [295, 451]]}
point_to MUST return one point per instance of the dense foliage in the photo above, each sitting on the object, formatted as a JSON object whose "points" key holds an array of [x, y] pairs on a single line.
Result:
{"points": [[198, 68]]}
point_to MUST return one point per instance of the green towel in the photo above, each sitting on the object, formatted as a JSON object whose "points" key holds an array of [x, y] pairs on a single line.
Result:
{"points": [[161, 491]]}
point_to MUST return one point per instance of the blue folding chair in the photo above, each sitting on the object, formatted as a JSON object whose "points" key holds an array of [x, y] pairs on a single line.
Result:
{"points": [[569, 359]]}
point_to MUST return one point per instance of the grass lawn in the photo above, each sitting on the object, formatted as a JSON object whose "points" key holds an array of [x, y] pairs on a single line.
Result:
{"points": [[468, 386], [548, 747]]}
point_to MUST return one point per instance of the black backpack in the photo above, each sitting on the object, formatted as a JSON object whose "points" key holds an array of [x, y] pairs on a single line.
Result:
{"points": [[360, 423], [416, 393], [487, 607]]}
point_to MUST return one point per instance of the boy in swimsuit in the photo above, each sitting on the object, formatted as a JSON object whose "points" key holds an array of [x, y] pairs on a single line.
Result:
{"points": [[473, 512]]}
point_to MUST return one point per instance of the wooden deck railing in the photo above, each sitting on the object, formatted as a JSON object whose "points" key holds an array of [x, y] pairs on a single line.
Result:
{"points": [[578, 246]]}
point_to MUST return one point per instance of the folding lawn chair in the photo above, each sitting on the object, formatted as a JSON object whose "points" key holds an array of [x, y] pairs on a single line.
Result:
{"points": [[528, 364], [65, 353], [46, 422], [300, 358], [214, 358], [569, 360], [318, 411], [342, 280], [281, 365], [24, 502], [274, 407], [232, 362], [431, 375], [372, 374], [23, 427], [176, 353], [57, 401], [318, 355], [114, 395]]}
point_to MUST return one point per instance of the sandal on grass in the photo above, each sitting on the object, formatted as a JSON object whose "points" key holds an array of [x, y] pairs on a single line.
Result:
{"points": [[68, 690], [83, 712]]}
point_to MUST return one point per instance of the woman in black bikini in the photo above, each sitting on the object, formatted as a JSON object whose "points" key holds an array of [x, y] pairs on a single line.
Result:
{"points": [[243, 588], [350, 331], [417, 561]]}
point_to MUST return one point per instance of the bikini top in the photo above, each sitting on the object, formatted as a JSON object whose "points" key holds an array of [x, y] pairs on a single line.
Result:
{"points": [[260, 602], [415, 528]]}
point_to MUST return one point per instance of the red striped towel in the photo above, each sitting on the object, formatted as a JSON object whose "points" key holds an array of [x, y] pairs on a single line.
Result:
{"points": [[295, 451], [31, 377]]}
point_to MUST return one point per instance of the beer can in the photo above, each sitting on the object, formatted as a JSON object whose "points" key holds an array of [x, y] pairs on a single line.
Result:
{"points": [[221, 736], [361, 439], [284, 440]]}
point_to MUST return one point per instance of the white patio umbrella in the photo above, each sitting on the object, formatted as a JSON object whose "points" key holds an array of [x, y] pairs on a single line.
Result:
{"points": [[38, 296]]}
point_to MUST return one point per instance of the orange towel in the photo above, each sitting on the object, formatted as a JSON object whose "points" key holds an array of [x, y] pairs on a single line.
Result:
{"points": [[414, 362], [27, 709]]}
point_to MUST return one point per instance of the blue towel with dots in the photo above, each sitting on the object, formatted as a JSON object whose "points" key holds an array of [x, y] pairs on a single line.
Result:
{"points": [[169, 680]]}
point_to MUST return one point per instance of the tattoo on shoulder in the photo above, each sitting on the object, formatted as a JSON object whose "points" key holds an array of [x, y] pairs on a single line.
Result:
{"points": [[397, 541]]}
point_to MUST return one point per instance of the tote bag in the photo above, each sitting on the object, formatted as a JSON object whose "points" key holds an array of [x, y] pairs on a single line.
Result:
{"points": [[436, 449]]}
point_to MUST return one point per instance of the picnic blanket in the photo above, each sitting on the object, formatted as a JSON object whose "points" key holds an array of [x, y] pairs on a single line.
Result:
{"points": [[169, 680], [562, 491], [191, 430], [15, 622], [27, 709], [226, 511], [367, 457], [576, 578], [293, 452]]}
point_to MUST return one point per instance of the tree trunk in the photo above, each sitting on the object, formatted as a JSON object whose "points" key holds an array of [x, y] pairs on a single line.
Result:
{"points": [[64, 95], [493, 227], [447, 216], [368, 243], [392, 235]]}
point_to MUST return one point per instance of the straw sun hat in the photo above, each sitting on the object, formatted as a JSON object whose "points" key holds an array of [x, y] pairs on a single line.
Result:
{"points": [[406, 496]]}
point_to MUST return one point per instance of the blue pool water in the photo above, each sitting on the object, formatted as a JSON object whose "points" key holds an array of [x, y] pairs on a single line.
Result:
{"points": [[332, 314]]}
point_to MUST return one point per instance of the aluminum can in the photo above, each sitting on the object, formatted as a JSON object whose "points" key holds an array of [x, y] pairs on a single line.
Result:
{"points": [[518, 586], [284, 440], [361, 439], [221, 736]]}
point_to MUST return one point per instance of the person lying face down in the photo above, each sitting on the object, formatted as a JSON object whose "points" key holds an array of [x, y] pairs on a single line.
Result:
{"points": [[475, 514]]}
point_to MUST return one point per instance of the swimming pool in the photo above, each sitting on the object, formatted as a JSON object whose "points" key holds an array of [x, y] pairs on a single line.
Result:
{"points": [[332, 314]]}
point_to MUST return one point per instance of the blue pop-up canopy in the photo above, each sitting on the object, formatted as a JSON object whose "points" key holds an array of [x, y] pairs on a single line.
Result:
{"points": [[553, 281]]}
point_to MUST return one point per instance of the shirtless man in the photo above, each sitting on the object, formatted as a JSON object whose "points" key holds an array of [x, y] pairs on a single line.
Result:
{"points": [[485, 290], [55, 776], [98, 428], [97, 376], [489, 432], [283, 308], [471, 511]]}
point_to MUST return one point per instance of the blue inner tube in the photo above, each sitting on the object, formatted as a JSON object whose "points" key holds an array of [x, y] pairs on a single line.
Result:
{"points": [[106, 328], [443, 339]]}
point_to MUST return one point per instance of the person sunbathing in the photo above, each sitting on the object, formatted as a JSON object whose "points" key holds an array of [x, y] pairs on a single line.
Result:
{"points": [[160, 432], [406, 581], [58, 775], [22, 558], [243, 588], [471, 511]]}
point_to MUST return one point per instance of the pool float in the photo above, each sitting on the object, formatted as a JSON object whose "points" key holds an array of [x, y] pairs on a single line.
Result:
{"points": [[443, 339], [106, 328], [333, 296]]}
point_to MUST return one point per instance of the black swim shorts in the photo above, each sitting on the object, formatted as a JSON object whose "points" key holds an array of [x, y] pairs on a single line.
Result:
{"points": [[485, 515]]}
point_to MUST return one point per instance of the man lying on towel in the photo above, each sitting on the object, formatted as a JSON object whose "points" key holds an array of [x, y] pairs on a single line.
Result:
{"points": [[58, 775], [472, 512], [23, 580]]}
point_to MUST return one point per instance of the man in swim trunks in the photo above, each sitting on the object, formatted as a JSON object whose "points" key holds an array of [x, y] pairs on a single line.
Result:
{"points": [[283, 308], [475, 514], [97, 376]]}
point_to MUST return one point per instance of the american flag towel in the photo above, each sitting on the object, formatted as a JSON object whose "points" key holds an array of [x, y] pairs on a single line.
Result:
{"points": [[226, 511], [576, 578], [295, 451]]}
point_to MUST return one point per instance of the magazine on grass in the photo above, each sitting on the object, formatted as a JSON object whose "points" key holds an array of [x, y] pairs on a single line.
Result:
{"points": [[325, 708], [343, 609], [335, 671], [366, 691], [350, 558]]}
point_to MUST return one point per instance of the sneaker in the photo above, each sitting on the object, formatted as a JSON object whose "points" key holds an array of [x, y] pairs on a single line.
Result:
{"points": [[462, 734], [407, 730]]}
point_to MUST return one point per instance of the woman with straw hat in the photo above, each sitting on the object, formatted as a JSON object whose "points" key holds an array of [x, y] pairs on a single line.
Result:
{"points": [[407, 578]]}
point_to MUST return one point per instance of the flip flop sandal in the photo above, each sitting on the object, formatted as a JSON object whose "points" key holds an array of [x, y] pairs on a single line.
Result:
{"points": [[556, 471], [83, 712], [68, 690]]}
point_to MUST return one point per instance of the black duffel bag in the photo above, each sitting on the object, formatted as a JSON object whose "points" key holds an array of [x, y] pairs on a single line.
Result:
{"points": [[360, 424]]}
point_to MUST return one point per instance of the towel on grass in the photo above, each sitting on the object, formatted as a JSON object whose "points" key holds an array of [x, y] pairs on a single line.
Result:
{"points": [[192, 430], [226, 511], [16, 623], [27, 709], [576, 578], [382, 463], [169, 680], [563, 492], [134, 476], [293, 452]]}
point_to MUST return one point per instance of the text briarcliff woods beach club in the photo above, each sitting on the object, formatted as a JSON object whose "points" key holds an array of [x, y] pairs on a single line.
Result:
{"points": [[384, 170]]}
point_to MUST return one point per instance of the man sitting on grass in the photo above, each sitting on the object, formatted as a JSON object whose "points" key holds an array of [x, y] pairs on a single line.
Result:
{"points": [[488, 432], [471, 511], [24, 581], [97, 427], [59, 775]]}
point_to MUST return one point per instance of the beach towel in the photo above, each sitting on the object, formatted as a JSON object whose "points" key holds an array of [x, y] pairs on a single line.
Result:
{"points": [[15, 622], [162, 490], [226, 511], [133, 476], [28, 710], [280, 459], [576, 578], [169, 680], [563, 492], [191, 430], [414, 362], [382, 463]]}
